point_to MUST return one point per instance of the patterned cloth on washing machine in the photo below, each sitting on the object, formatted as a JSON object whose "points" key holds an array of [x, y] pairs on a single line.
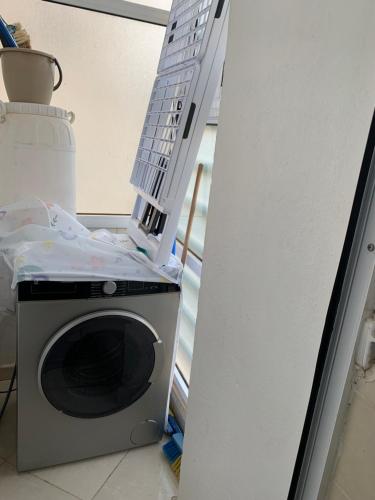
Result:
{"points": [[40, 241]]}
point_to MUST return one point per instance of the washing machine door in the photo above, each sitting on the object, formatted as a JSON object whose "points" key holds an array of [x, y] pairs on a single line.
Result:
{"points": [[100, 364]]}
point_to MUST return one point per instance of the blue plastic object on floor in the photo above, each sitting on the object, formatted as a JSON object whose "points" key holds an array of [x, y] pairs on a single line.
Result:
{"points": [[173, 452], [173, 449], [6, 36], [174, 248], [172, 426]]}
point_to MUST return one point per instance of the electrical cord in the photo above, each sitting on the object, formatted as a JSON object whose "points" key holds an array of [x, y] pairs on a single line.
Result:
{"points": [[8, 392]]}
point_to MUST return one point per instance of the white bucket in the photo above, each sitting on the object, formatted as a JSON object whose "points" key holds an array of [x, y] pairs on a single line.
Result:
{"points": [[37, 154]]}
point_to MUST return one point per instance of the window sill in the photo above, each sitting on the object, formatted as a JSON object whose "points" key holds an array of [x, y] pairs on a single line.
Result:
{"points": [[99, 221]]}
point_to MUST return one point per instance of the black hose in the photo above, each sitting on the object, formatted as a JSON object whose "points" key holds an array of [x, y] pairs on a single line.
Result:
{"points": [[9, 392]]}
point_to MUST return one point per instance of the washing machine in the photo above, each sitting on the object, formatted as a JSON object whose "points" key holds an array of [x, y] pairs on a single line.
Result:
{"points": [[94, 367]]}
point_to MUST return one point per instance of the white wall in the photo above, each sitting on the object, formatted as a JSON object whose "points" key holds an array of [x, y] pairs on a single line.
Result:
{"points": [[299, 93]]}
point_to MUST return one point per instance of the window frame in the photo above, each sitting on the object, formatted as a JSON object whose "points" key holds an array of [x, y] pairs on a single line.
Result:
{"points": [[180, 388], [134, 12], [95, 221], [120, 8]]}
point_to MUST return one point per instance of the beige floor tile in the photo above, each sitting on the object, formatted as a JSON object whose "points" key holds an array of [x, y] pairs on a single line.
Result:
{"points": [[359, 428], [27, 487], [366, 389], [8, 425], [355, 469], [83, 478], [336, 493], [12, 459], [144, 474]]}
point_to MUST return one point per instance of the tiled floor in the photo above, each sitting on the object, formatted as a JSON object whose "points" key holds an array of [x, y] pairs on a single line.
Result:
{"points": [[353, 478], [141, 474]]}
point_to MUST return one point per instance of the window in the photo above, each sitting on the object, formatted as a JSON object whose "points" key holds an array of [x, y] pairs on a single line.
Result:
{"points": [[109, 66], [159, 4], [149, 11], [191, 278]]}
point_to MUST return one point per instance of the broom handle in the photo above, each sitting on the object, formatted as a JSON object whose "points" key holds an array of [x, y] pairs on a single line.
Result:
{"points": [[192, 213]]}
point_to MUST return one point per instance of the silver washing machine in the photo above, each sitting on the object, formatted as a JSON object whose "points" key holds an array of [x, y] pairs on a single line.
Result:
{"points": [[94, 367]]}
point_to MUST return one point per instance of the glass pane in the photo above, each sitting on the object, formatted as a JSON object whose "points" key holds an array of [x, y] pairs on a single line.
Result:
{"points": [[99, 367], [159, 4], [191, 282], [189, 310], [206, 157], [109, 67]]}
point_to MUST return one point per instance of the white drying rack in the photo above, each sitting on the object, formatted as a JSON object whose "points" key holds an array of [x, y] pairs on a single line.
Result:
{"points": [[189, 72]]}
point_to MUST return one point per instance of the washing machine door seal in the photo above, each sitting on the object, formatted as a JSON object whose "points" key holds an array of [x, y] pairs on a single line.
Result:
{"points": [[100, 363]]}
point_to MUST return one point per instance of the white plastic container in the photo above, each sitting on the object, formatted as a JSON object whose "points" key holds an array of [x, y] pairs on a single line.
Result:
{"points": [[37, 154]]}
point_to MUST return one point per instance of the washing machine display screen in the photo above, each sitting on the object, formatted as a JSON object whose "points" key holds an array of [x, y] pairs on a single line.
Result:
{"points": [[99, 366]]}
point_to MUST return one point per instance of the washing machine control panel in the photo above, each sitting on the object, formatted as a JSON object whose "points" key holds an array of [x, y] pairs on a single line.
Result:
{"points": [[55, 290]]}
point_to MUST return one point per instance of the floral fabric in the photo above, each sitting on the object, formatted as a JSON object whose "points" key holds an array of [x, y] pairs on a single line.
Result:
{"points": [[41, 241]]}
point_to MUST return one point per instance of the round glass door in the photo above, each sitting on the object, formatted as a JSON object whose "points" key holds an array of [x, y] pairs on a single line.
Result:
{"points": [[99, 364]]}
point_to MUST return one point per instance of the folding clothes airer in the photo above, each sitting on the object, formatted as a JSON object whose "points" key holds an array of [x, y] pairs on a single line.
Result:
{"points": [[189, 72]]}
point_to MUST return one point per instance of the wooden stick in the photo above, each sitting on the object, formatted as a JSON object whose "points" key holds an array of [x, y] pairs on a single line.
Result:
{"points": [[192, 213]]}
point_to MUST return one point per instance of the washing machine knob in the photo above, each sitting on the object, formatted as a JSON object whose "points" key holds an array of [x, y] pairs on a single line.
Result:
{"points": [[109, 287]]}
